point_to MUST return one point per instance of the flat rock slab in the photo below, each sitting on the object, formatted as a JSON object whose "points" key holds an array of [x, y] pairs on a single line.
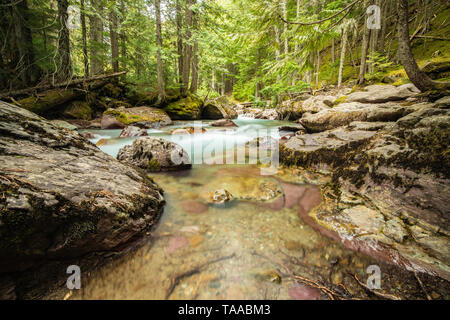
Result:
{"points": [[383, 93]]}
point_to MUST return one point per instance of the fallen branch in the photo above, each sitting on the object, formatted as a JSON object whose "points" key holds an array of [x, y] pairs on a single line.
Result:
{"points": [[378, 294], [323, 20], [175, 280], [61, 85]]}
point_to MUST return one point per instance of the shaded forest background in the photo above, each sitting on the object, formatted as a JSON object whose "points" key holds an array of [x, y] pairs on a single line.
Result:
{"points": [[251, 50]]}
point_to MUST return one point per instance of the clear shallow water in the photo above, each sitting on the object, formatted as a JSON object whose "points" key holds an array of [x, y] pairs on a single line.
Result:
{"points": [[244, 250]]}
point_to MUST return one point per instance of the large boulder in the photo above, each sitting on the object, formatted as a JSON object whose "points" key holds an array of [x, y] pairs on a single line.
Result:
{"points": [[132, 131], [63, 124], [189, 108], [145, 117], [345, 113], [269, 114], [62, 197], [223, 123], [382, 93], [78, 110], [293, 110], [389, 185], [110, 122], [219, 108], [155, 155]]}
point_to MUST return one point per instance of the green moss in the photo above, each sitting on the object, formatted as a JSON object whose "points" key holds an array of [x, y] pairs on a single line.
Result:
{"points": [[111, 90], [153, 165], [47, 100], [128, 118], [339, 100], [78, 110], [188, 108]]}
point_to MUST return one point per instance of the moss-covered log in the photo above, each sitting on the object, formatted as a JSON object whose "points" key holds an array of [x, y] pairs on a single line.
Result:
{"points": [[46, 101]]}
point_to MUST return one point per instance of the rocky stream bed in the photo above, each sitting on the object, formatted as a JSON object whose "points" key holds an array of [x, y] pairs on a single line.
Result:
{"points": [[363, 180]]}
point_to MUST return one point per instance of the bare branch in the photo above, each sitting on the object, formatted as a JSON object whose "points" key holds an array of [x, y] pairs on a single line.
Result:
{"points": [[323, 20]]}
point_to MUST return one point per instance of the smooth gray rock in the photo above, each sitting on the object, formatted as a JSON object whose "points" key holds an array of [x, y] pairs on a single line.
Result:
{"points": [[155, 154]]}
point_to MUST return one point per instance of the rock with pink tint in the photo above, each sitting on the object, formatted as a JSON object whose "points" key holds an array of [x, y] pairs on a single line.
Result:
{"points": [[302, 292], [292, 193], [176, 243], [310, 199]]}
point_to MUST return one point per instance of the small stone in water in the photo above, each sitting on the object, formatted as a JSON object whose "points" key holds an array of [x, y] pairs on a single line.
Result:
{"points": [[196, 240], [222, 196], [176, 243], [191, 229]]}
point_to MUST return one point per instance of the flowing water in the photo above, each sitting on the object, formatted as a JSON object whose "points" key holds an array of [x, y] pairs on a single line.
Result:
{"points": [[249, 248]]}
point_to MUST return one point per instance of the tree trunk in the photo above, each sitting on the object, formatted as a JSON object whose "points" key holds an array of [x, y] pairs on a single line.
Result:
{"points": [[341, 63], [64, 71], [364, 50], [123, 38], [333, 50], [286, 40], [161, 93], [96, 39], [417, 77], [297, 16], [179, 21], [84, 40], [187, 54], [114, 37], [194, 76], [386, 13], [318, 69], [24, 42]]}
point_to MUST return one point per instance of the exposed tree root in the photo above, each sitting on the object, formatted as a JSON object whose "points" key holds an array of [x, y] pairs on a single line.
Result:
{"points": [[378, 294], [175, 280], [422, 286]]}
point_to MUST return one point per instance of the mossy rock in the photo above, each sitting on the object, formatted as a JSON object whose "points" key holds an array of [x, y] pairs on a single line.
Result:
{"points": [[78, 110], [144, 115], [138, 97], [437, 69], [339, 100], [189, 108], [218, 108]]}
